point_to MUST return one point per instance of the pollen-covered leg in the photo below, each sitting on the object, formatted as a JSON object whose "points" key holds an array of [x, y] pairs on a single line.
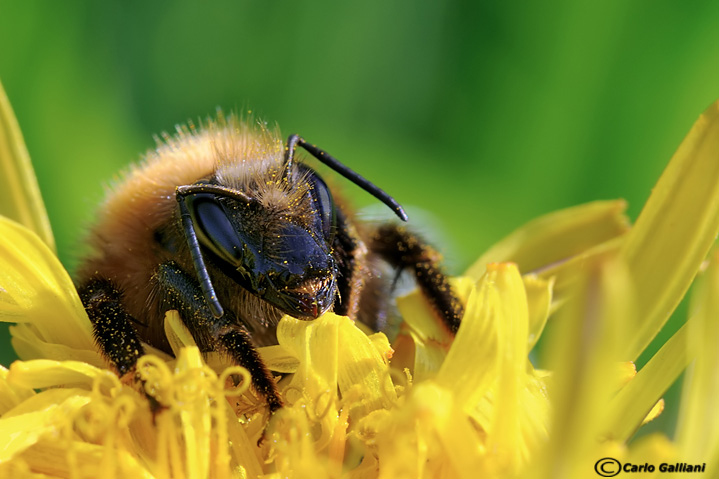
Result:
{"points": [[180, 291], [112, 325], [402, 249], [237, 342]]}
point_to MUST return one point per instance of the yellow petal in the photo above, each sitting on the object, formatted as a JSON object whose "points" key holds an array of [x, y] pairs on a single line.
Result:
{"points": [[27, 344], [697, 433], [635, 400], [583, 353], [539, 302], [294, 448], [334, 355], [20, 431], [429, 436], [675, 229], [35, 288], [498, 302], [557, 236], [512, 327], [418, 316], [45, 373], [381, 344], [427, 355], [653, 449], [82, 459], [567, 273], [458, 440], [363, 367], [316, 346], [177, 333], [195, 416], [429, 336], [493, 340], [278, 359], [11, 394], [20, 197], [43, 399]]}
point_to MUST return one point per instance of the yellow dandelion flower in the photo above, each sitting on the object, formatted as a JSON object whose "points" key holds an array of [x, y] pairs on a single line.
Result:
{"points": [[593, 288]]}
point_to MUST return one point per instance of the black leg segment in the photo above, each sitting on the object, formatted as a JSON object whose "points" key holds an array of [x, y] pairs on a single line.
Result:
{"points": [[112, 325], [226, 334], [402, 249]]}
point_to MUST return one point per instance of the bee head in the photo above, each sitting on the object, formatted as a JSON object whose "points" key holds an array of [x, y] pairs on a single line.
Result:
{"points": [[282, 256]]}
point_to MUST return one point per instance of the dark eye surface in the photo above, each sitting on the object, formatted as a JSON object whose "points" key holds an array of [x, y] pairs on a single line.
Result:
{"points": [[214, 228], [324, 204]]}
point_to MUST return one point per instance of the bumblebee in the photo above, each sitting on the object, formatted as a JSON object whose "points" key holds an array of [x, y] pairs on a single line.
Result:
{"points": [[230, 227]]}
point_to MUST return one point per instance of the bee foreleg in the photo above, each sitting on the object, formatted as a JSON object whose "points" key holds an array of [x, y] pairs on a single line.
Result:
{"points": [[180, 291], [112, 325], [405, 250]]}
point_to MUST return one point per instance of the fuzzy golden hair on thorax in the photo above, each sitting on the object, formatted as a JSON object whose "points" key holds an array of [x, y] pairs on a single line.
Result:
{"points": [[247, 155]]}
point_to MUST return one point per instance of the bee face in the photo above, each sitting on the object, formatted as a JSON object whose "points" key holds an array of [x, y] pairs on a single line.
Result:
{"points": [[279, 251]]}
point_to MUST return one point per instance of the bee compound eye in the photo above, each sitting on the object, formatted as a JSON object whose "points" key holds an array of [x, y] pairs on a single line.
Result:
{"points": [[324, 204], [214, 228]]}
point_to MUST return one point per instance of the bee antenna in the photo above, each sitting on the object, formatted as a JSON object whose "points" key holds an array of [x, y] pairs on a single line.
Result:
{"points": [[294, 140], [208, 290]]}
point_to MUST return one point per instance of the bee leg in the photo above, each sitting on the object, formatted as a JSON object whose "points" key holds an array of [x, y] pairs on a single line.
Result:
{"points": [[113, 331], [237, 341], [183, 293], [402, 249], [112, 325]]}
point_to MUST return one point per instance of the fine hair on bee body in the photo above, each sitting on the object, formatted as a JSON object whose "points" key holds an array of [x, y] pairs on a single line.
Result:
{"points": [[228, 224]]}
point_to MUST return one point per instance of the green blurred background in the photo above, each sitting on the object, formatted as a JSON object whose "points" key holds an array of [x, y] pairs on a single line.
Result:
{"points": [[477, 116]]}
